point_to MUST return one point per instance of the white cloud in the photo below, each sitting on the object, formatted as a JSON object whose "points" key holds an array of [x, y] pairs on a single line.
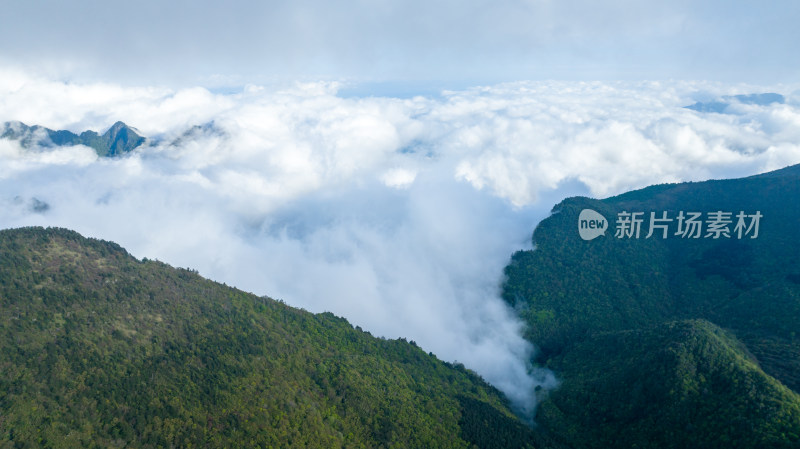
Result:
{"points": [[398, 214], [398, 177]]}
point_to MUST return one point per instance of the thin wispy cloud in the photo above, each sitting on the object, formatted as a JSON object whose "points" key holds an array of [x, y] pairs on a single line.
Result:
{"points": [[243, 41]]}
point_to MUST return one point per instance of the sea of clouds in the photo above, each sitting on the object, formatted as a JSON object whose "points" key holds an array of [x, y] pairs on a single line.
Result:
{"points": [[396, 213]]}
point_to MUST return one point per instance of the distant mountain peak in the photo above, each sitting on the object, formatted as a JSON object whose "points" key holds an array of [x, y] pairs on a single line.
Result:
{"points": [[118, 127], [118, 139]]}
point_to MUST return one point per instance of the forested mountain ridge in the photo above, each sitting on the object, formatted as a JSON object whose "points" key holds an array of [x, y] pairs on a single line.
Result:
{"points": [[98, 349], [622, 316]]}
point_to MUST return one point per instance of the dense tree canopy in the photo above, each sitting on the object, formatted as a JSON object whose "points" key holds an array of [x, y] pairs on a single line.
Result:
{"points": [[98, 349], [634, 326]]}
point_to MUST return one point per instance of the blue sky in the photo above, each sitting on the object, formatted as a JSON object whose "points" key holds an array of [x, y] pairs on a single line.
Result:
{"points": [[462, 43]]}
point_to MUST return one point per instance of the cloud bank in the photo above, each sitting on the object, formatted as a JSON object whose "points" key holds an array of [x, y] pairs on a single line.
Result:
{"points": [[396, 213]]}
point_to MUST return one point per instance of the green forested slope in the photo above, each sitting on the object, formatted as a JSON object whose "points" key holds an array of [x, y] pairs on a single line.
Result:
{"points": [[584, 301], [98, 349], [684, 384]]}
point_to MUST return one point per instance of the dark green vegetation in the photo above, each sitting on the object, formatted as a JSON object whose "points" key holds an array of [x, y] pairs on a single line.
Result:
{"points": [[669, 343], [98, 349], [119, 139]]}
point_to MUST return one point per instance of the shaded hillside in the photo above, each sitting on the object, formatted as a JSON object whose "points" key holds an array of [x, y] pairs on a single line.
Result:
{"points": [[678, 385], [119, 139], [98, 349], [574, 294]]}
